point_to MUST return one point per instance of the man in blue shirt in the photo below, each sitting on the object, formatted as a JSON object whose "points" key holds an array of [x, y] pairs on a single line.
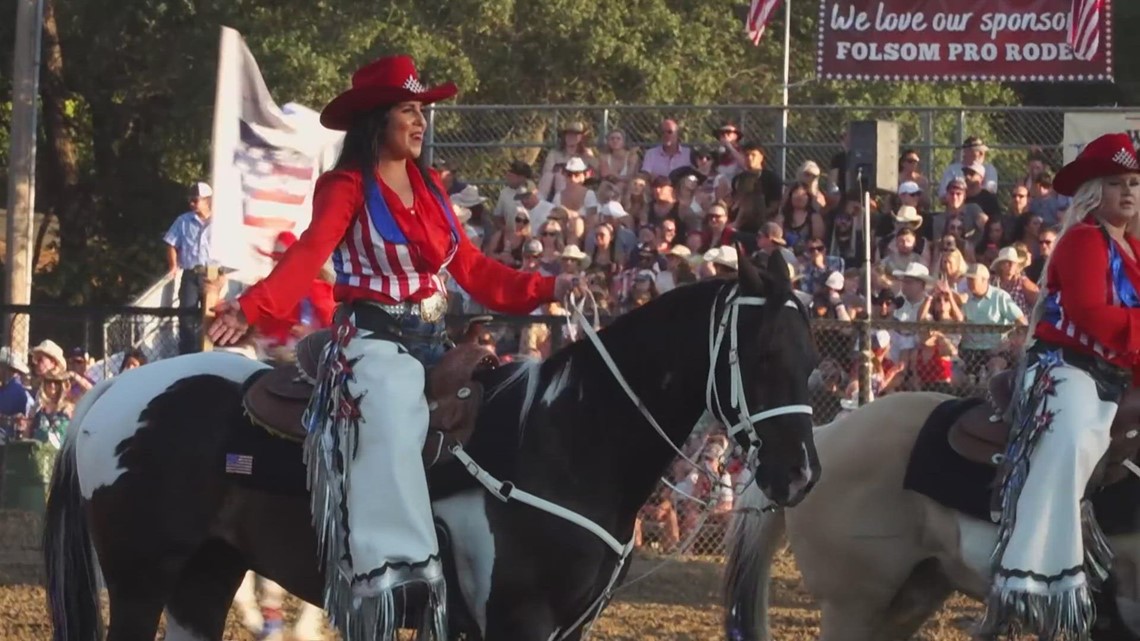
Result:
{"points": [[16, 403], [188, 249]]}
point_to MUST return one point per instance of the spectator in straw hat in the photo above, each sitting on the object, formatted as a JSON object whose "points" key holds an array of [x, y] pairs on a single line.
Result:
{"points": [[574, 260], [1009, 275], [678, 270], [47, 357], [723, 260]]}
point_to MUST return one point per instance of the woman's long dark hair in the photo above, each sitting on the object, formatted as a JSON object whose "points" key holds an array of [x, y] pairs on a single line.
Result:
{"points": [[364, 141]]}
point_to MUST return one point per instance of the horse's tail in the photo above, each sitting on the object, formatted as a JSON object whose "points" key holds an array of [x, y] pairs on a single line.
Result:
{"points": [[753, 542], [69, 560]]}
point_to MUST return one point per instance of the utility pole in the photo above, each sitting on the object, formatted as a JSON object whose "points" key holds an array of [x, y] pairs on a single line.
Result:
{"points": [[22, 169]]}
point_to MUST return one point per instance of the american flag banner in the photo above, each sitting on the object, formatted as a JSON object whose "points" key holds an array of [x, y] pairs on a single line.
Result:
{"points": [[759, 15], [1085, 19], [266, 159]]}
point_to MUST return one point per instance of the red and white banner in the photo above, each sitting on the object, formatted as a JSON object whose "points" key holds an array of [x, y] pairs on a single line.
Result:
{"points": [[961, 40]]}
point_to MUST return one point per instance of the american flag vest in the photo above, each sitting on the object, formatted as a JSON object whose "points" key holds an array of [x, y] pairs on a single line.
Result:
{"points": [[374, 252], [1122, 292]]}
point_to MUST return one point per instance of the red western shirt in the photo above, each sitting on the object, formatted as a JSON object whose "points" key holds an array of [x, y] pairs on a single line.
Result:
{"points": [[370, 268], [1092, 320]]}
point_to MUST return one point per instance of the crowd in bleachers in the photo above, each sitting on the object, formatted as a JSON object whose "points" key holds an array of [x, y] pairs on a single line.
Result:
{"points": [[956, 247]]}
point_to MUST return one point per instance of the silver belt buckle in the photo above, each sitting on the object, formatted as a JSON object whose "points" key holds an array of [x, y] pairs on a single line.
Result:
{"points": [[433, 307]]}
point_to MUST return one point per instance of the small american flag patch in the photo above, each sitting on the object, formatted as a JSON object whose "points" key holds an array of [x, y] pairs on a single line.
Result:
{"points": [[239, 464]]}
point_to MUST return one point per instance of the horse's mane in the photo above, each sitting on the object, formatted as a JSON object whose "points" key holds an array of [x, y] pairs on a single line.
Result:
{"points": [[688, 301]]}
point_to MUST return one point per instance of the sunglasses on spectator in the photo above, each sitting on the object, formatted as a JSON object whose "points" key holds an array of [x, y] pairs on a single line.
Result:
{"points": [[522, 220], [815, 248], [911, 159]]}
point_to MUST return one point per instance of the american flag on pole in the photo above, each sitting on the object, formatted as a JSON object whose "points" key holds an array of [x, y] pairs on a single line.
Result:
{"points": [[1084, 27], [759, 14]]}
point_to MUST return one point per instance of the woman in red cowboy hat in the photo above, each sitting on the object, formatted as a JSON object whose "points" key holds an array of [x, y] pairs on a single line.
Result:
{"points": [[390, 228], [314, 311], [1084, 348]]}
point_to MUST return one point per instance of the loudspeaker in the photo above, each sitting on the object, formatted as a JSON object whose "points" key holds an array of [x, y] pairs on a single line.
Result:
{"points": [[873, 156]]}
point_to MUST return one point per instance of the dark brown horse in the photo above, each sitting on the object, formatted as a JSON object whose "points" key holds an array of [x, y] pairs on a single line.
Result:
{"points": [[146, 485]]}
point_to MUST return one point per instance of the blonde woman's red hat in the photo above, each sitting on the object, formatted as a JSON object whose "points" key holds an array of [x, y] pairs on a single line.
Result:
{"points": [[387, 81], [1109, 155]]}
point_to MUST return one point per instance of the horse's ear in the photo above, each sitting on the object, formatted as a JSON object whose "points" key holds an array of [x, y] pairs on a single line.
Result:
{"points": [[748, 274], [779, 273]]}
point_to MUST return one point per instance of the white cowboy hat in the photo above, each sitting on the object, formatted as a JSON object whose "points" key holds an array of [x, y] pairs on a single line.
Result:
{"points": [[53, 351], [613, 209], [909, 187], [576, 165], [572, 252], [914, 270], [468, 197], [724, 255], [679, 251], [1006, 253], [977, 271], [835, 281], [13, 361], [908, 214]]}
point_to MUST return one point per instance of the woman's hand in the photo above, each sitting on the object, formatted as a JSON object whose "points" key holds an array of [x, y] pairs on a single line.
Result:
{"points": [[229, 324]]}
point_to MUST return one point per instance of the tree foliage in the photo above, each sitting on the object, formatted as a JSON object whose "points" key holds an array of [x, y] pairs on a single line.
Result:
{"points": [[138, 82]]}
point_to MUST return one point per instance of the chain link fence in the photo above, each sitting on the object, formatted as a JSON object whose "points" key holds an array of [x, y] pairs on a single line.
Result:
{"points": [[103, 335], [674, 519], [479, 141]]}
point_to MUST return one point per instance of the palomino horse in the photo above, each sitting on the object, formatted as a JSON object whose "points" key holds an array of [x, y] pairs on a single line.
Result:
{"points": [[148, 481], [880, 559]]}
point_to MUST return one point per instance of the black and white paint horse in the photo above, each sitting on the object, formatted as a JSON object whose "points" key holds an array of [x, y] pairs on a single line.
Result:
{"points": [[141, 486]]}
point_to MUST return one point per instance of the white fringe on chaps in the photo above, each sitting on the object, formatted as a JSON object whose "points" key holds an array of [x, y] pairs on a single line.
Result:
{"points": [[1050, 551], [367, 423]]}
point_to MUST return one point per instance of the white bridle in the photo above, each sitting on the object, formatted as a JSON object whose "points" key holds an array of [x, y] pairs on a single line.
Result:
{"points": [[730, 324]]}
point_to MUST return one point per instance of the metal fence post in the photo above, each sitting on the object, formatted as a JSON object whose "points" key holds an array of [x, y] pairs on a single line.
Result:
{"points": [[605, 123], [961, 129], [429, 136], [928, 138]]}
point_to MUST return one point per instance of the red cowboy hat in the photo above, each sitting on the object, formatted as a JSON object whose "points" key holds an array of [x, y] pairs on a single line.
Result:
{"points": [[387, 81], [1109, 155], [284, 241]]}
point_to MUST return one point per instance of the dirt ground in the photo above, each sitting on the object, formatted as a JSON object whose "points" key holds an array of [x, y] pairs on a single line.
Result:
{"points": [[678, 602]]}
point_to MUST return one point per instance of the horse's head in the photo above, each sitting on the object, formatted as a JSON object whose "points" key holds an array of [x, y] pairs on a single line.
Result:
{"points": [[763, 353]]}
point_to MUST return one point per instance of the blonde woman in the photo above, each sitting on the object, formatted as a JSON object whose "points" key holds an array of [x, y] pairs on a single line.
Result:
{"points": [[1077, 365], [553, 241], [507, 243], [571, 143], [617, 163]]}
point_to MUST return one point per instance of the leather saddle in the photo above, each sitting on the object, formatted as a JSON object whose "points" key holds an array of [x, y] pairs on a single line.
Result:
{"points": [[981, 434], [277, 399]]}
